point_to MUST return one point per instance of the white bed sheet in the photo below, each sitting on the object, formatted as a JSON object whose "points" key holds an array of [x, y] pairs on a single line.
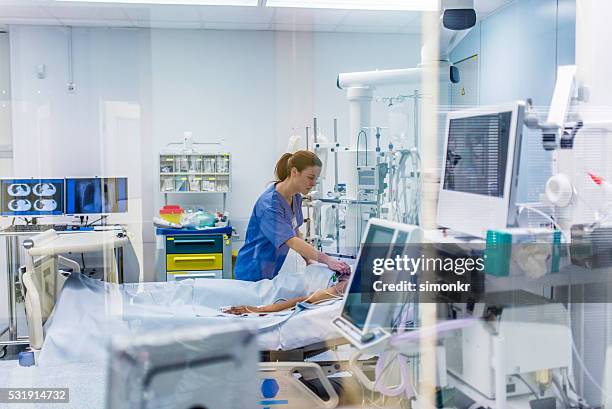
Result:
{"points": [[89, 312]]}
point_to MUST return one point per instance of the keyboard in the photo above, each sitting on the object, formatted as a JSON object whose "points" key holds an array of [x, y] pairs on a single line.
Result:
{"points": [[34, 228]]}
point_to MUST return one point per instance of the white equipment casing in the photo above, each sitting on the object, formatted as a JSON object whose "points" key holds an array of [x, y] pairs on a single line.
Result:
{"points": [[475, 213], [533, 338]]}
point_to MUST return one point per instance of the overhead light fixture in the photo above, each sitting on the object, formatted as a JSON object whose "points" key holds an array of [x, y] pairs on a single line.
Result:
{"points": [[396, 5], [250, 3]]}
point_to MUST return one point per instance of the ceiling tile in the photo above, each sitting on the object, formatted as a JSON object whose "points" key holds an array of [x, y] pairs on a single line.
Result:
{"points": [[49, 21], [162, 12], [82, 22], [236, 14], [309, 16], [175, 24], [345, 28], [380, 18], [86, 12], [22, 11], [303, 27], [394, 5]]}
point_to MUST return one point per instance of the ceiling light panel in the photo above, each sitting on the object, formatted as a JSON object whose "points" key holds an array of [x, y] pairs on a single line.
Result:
{"points": [[251, 3], [405, 5]]}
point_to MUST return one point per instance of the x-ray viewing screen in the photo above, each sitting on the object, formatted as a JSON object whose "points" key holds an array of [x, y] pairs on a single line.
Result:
{"points": [[96, 195], [114, 195], [377, 244], [477, 154], [32, 197]]}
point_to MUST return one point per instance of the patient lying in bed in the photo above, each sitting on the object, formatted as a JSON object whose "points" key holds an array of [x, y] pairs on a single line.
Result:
{"points": [[320, 295], [89, 312]]}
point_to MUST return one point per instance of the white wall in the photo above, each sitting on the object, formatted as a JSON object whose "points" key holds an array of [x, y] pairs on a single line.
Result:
{"points": [[6, 163], [247, 87]]}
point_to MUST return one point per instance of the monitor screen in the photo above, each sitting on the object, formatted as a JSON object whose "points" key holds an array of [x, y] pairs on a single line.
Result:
{"points": [[96, 195], [376, 245], [114, 195], [32, 197], [477, 153]]}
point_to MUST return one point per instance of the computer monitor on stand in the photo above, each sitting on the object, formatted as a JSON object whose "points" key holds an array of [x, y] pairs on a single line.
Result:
{"points": [[96, 196], [32, 197], [480, 169], [363, 321]]}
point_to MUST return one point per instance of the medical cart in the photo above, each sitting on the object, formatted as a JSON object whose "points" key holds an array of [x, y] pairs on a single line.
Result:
{"points": [[183, 253]]}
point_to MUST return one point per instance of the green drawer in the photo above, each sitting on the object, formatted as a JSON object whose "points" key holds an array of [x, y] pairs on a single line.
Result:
{"points": [[194, 244]]}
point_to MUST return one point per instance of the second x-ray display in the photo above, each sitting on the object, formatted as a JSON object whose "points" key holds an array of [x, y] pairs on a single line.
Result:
{"points": [[96, 195], [32, 197]]}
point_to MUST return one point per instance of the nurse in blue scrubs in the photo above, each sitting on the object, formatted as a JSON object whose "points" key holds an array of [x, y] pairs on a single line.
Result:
{"points": [[276, 218]]}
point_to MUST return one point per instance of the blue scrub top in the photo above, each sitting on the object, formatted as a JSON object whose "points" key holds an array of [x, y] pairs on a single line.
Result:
{"points": [[272, 223]]}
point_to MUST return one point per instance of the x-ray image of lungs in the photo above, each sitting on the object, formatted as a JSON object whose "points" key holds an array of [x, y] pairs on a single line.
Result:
{"points": [[18, 189], [20, 205], [88, 195], [44, 189], [45, 205]]}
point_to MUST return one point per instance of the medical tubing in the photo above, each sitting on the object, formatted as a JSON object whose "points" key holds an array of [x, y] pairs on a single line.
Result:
{"points": [[379, 371], [579, 359], [579, 400], [541, 213], [566, 399], [357, 148]]}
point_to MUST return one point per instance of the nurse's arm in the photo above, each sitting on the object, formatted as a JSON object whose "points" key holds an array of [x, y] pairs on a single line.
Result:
{"points": [[304, 249], [301, 236], [307, 251]]}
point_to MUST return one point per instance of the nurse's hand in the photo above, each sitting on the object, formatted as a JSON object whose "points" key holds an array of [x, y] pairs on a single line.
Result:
{"points": [[336, 265]]}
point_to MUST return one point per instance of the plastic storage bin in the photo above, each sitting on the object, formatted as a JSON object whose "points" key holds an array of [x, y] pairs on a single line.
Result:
{"points": [[172, 213]]}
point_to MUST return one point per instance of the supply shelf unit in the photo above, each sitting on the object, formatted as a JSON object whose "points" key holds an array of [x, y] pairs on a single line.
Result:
{"points": [[189, 173], [182, 253]]}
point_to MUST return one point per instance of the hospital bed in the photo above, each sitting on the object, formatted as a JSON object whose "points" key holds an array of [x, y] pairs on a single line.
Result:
{"points": [[70, 317]]}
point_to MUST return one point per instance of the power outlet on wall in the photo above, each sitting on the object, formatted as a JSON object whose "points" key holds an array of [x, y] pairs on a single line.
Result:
{"points": [[71, 87]]}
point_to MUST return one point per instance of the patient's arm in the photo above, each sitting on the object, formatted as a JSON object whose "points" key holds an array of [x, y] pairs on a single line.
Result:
{"points": [[317, 296]]}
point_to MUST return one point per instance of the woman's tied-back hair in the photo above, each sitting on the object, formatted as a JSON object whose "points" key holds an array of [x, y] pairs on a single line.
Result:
{"points": [[299, 160]]}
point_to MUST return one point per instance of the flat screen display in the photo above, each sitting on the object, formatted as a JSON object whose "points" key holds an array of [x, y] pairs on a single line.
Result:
{"points": [[32, 197], [376, 245], [96, 195], [114, 195], [477, 154]]}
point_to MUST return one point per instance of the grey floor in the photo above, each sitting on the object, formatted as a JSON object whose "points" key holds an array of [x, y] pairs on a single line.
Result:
{"points": [[86, 383]]}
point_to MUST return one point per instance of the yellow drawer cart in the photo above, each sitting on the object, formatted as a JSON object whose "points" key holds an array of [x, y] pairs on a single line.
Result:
{"points": [[194, 254]]}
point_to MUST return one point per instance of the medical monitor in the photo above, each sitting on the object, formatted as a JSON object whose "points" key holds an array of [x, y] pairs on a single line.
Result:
{"points": [[480, 169], [96, 195], [361, 321], [32, 197], [212, 367]]}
